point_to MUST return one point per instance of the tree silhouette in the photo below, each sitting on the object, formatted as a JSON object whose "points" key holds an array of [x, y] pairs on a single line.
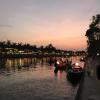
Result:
{"points": [[49, 48], [9, 48], [93, 34]]}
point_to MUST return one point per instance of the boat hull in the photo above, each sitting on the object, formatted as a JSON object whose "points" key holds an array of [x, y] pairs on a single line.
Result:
{"points": [[59, 68], [75, 76]]}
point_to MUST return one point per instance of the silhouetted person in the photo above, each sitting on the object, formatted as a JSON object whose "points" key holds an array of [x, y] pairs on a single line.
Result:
{"points": [[69, 64], [56, 67]]}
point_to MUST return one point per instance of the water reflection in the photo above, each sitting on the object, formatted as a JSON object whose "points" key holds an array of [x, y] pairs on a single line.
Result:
{"points": [[9, 65], [33, 79], [18, 64]]}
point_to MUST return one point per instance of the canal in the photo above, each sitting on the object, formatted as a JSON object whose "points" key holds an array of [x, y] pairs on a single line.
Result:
{"points": [[34, 79]]}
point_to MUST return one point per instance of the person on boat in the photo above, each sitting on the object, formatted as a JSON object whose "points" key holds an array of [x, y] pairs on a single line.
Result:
{"points": [[61, 63], [69, 64], [56, 67], [55, 63]]}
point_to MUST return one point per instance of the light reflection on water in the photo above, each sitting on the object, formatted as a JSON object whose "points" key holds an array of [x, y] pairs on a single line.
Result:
{"points": [[33, 79]]}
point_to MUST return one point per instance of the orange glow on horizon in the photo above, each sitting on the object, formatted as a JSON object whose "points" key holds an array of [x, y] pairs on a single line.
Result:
{"points": [[60, 22], [63, 35]]}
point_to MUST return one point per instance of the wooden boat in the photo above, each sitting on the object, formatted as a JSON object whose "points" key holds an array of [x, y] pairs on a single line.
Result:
{"points": [[75, 73], [60, 64]]}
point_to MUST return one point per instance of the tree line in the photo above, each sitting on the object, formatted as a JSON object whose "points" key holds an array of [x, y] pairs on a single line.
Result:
{"points": [[6, 46], [20, 46]]}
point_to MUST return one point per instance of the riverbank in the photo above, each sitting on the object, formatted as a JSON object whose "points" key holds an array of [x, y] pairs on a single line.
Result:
{"points": [[89, 88], [30, 55]]}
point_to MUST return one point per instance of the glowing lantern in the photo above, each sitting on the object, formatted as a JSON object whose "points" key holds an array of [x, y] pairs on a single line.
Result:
{"points": [[58, 62], [77, 64]]}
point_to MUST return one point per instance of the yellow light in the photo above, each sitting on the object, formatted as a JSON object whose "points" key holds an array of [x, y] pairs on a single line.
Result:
{"points": [[58, 62], [77, 64]]}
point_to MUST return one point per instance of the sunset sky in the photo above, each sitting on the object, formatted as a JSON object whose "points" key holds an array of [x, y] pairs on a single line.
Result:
{"points": [[60, 22]]}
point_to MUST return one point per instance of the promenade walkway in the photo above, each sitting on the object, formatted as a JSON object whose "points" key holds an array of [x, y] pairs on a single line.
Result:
{"points": [[90, 87]]}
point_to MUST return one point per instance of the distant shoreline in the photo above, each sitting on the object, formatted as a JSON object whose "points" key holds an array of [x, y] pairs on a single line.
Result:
{"points": [[30, 55]]}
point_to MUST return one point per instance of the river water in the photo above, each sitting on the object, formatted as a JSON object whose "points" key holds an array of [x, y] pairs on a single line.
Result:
{"points": [[34, 79]]}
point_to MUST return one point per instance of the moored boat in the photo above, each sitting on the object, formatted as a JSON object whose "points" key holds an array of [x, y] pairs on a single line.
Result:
{"points": [[60, 64], [75, 73]]}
